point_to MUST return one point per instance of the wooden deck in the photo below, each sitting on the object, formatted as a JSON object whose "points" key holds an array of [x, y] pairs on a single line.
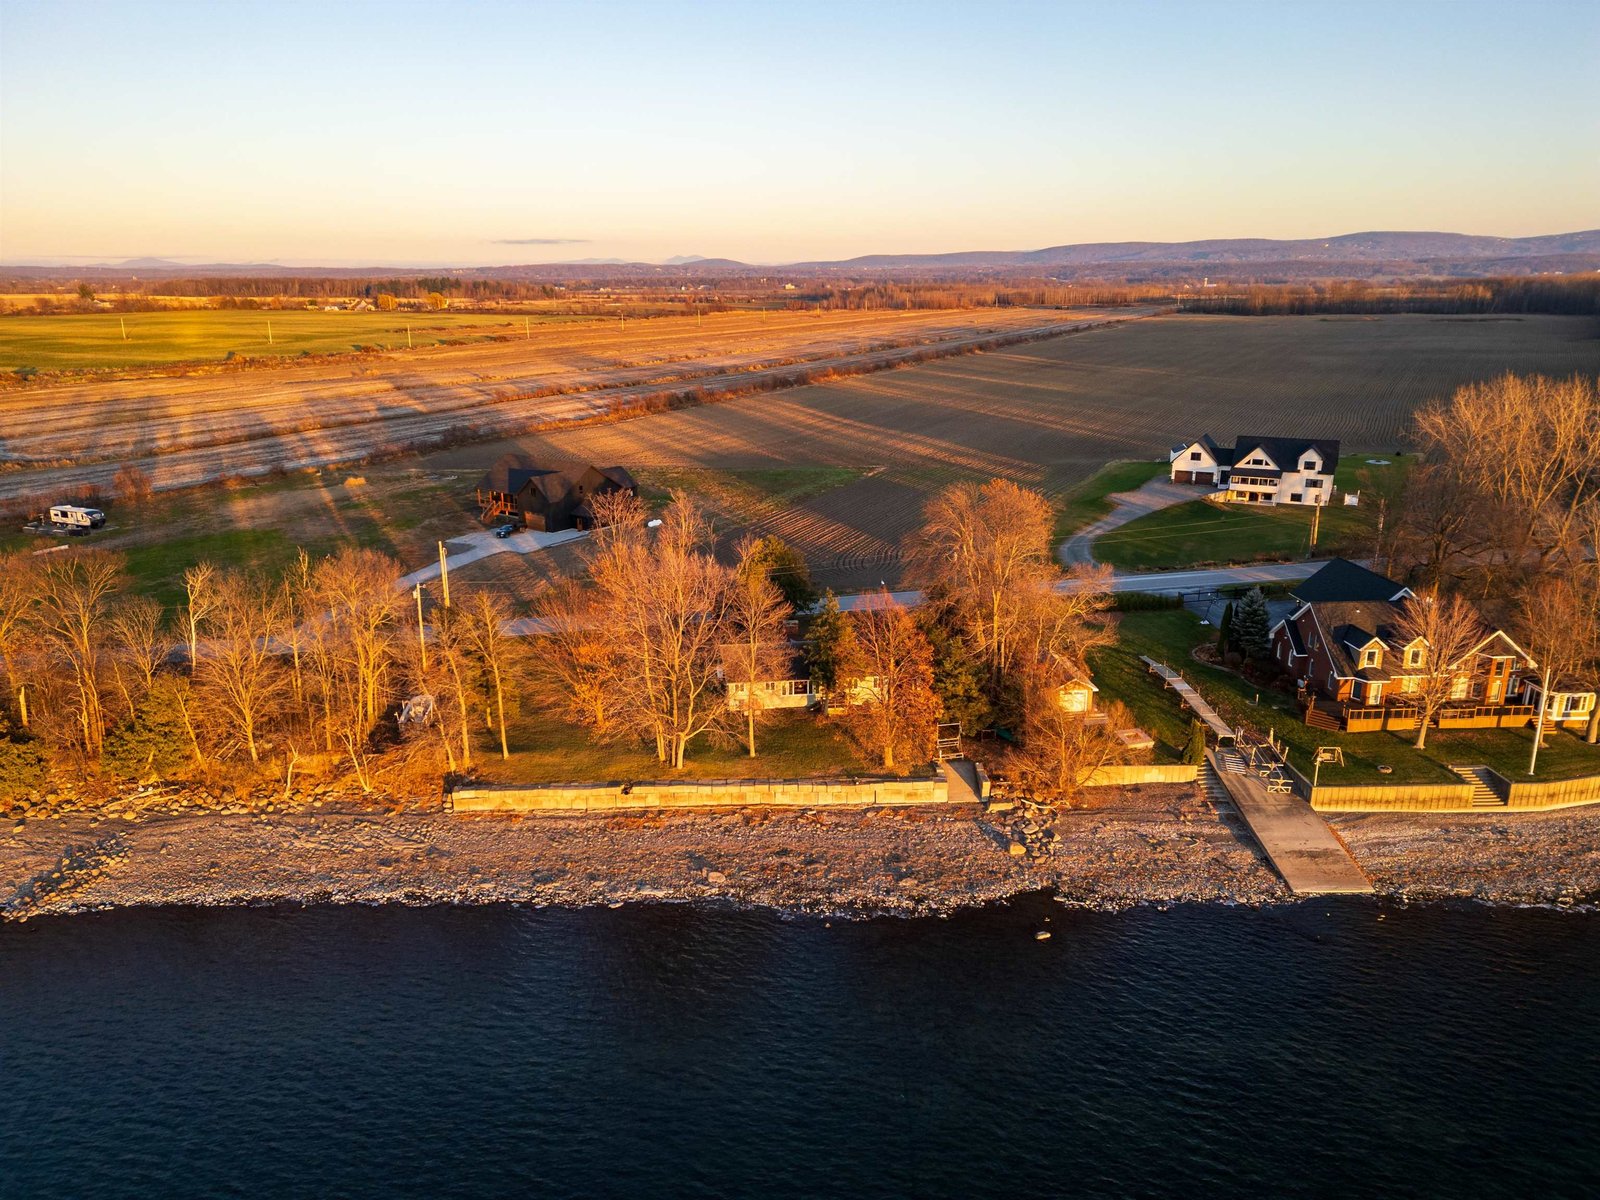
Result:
{"points": [[1186, 693]]}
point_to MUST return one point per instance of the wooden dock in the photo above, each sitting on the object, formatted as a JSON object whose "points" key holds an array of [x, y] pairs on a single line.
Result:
{"points": [[1298, 843], [1186, 693]]}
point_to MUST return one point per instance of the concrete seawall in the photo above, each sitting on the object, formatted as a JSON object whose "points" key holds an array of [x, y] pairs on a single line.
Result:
{"points": [[860, 792]]}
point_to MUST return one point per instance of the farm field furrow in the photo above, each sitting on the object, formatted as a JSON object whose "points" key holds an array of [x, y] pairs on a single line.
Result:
{"points": [[1050, 413], [189, 428]]}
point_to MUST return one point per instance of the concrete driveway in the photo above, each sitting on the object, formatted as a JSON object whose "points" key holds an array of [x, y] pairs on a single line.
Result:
{"points": [[1159, 493], [470, 547]]}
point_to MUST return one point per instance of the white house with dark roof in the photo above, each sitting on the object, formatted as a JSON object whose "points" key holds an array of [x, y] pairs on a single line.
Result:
{"points": [[1259, 470]]}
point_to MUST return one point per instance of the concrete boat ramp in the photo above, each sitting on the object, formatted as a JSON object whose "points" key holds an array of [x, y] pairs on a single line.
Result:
{"points": [[1298, 843]]}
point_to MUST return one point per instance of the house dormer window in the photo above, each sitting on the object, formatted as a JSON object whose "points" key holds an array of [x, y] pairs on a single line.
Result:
{"points": [[1310, 464], [1414, 656], [1371, 656]]}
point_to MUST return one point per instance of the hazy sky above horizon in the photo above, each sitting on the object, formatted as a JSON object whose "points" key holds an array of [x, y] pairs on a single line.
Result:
{"points": [[481, 133]]}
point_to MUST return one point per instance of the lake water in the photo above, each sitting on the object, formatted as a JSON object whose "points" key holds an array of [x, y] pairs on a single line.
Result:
{"points": [[1309, 1050]]}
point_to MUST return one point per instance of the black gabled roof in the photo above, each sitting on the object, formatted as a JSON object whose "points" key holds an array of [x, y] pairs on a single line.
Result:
{"points": [[513, 472], [1223, 454], [1286, 452], [1342, 580]]}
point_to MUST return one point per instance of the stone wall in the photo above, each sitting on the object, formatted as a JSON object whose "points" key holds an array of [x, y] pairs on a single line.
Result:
{"points": [[869, 792]]}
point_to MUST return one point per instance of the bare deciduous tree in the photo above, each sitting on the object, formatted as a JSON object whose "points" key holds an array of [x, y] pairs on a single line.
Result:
{"points": [[1448, 628], [74, 592], [18, 592], [663, 601], [754, 653], [984, 551], [139, 647], [240, 672], [579, 670], [483, 618], [888, 683]]}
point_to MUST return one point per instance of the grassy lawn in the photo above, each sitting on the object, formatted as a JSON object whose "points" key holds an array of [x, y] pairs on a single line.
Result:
{"points": [[261, 524], [1203, 532], [1087, 501], [1169, 636], [1565, 755], [81, 340], [792, 745]]}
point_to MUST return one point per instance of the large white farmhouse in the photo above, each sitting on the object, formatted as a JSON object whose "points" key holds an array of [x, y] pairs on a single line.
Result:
{"points": [[1260, 470]]}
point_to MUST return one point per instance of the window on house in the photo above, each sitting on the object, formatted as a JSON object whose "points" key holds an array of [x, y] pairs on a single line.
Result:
{"points": [[1194, 456], [1414, 656], [1295, 497], [1313, 483], [1369, 658], [1310, 464]]}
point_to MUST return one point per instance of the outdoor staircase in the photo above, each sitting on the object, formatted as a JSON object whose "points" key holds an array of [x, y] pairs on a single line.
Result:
{"points": [[1483, 796], [1231, 760], [1215, 792], [1317, 718]]}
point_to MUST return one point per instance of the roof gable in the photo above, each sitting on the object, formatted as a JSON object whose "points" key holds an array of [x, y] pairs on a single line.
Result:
{"points": [[1341, 580]]}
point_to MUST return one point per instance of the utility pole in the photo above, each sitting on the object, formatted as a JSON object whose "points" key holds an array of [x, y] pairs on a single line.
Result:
{"points": [[408, 335], [444, 574], [269, 331], [527, 329], [1538, 728], [1316, 523], [422, 640], [123, 321]]}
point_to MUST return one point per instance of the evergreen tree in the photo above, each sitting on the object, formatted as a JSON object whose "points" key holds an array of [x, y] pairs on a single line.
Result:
{"points": [[787, 569], [156, 740], [1195, 752], [1225, 629], [959, 678], [1250, 627], [22, 760], [832, 642]]}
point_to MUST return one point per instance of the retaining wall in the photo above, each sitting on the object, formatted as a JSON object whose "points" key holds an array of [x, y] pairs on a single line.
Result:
{"points": [[1558, 793], [1442, 798], [709, 793], [1124, 775]]}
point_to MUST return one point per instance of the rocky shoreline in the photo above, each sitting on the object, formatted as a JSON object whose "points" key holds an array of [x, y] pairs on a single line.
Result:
{"points": [[1150, 845]]}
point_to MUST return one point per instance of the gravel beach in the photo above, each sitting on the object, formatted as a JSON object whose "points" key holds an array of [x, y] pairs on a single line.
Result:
{"points": [[1154, 844]]}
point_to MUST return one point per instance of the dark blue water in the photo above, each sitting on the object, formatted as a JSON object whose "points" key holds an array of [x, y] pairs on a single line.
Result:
{"points": [[1314, 1050]]}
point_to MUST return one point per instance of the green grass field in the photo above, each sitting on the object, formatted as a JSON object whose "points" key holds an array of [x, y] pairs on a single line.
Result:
{"points": [[91, 340], [1170, 636], [792, 745], [1204, 532], [1087, 501]]}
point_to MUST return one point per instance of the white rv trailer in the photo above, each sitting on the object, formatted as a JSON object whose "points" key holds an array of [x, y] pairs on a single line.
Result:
{"points": [[73, 517]]}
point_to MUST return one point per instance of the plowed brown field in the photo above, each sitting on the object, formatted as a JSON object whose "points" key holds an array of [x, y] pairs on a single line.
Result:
{"points": [[1050, 413], [189, 427]]}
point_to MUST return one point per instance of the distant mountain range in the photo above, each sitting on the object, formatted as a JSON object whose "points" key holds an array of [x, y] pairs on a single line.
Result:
{"points": [[1377, 255]]}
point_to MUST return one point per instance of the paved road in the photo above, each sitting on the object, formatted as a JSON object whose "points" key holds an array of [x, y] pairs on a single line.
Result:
{"points": [[1159, 493], [471, 547], [1163, 582]]}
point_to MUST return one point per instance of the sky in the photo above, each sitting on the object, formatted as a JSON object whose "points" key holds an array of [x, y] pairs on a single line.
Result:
{"points": [[354, 133]]}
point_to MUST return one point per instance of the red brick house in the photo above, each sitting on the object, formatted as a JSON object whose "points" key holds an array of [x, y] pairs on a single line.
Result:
{"points": [[1343, 648]]}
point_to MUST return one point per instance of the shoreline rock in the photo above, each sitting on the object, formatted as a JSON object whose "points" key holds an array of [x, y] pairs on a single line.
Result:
{"points": [[1154, 845]]}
